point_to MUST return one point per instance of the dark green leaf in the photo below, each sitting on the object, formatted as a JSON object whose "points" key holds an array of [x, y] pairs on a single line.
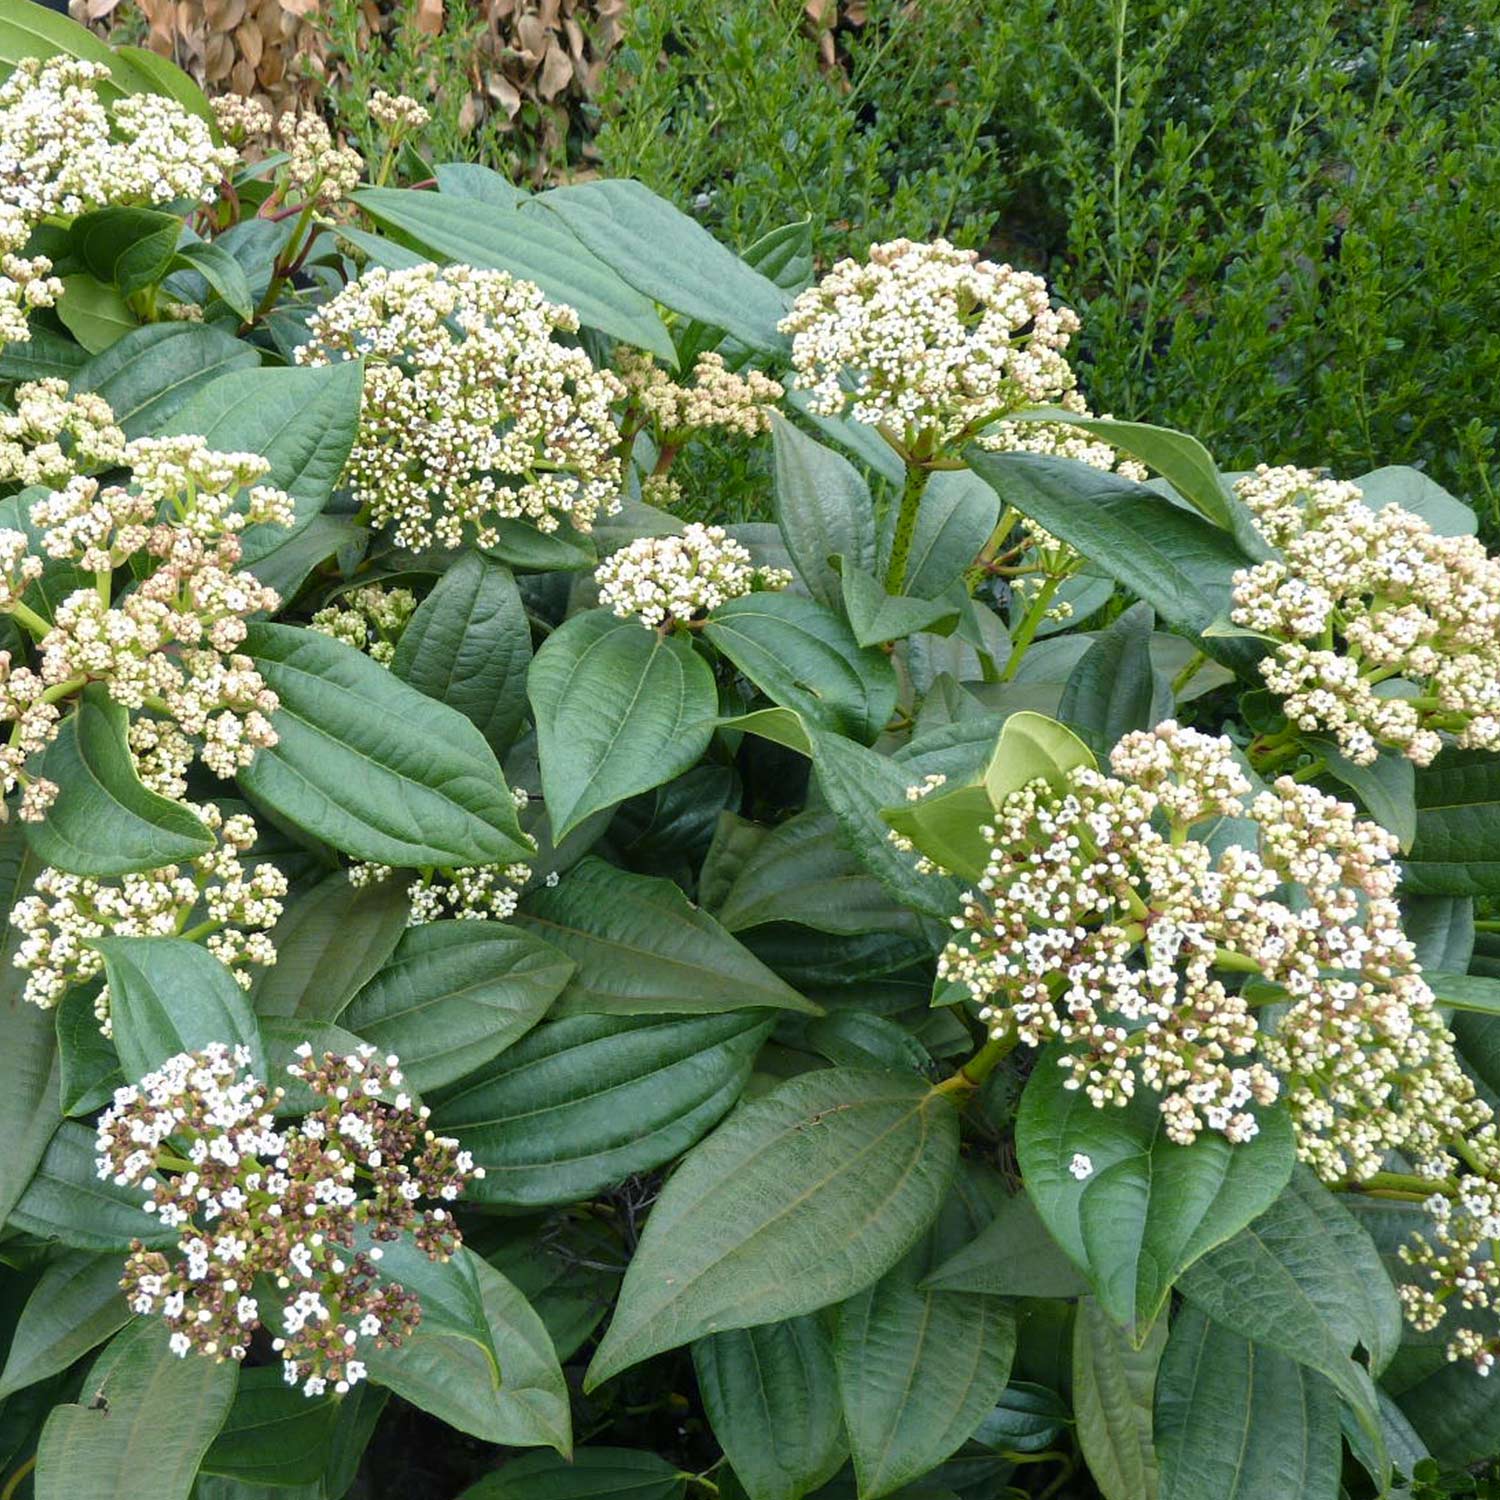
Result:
{"points": [[1114, 1387], [1148, 1208], [580, 1104], [144, 1420], [642, 948], [468, 645], [619, 709], [454, 994], [593, 1474], [785, 256], [532, 245], [1115, 688], [1387, 789], [372, 766], [1013, 1256], [671, 258], [329, 942], [805, 658], [1457, 848], [875, 616], [1238, 1422], [131, 247], [800, 1198], [273, 1435], [771, 1396], [222, 272], [168, 996], [88, 1063], [823, 508], [956, 518], [148, 375], [76, 1305], [104, 821]]}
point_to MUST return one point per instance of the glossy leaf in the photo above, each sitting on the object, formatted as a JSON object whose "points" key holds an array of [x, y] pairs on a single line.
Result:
{"points": [[76, 1305], [619, 710], [823, 508], [801, 1197], [454, 994], [642, 948], [372, 766], [580, 1104], [1149, 1207]]}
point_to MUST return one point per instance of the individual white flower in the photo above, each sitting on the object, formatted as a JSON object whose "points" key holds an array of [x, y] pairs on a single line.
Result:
{"points": [[1082, 1166]]}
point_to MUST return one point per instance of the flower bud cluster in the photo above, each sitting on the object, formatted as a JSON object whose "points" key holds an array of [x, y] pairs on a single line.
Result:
{"points": [[1458, 1262], [474, 893], [661, 579], [64, 152], [1104, 923], [236, 904], [370, 619], [473, 411], [318, 168], [51, 436], [303, 1208], [398, 114], [241, 120], [1390, 633], [935, 343], [718, 397]]}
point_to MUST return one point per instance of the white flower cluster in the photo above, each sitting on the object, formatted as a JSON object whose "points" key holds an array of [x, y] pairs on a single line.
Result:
{"points": [[63, 152], [318, 167], [370, 619], [473, 411], [398, 114], [236, 906], [1390, 633], [661, 579], [241, 119], [257, 1205], [1103, 923], [51, 436], [473, 893], [935, 342], [1459, 1262], [717, 397]]}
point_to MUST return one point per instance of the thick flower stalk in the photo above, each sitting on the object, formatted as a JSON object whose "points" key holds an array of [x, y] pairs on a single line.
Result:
{"points": [[64, 152], [371, 619], [662, 580], [473, 412], [219, 899], [1106, 921], [1388, 634], [303, 1208]]}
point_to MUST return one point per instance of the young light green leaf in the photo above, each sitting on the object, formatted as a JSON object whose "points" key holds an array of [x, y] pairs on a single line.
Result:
{"points": [[619, 710], [469, 645], [1114, 1388], [771, 1395], [533, 245], [1239, 1422], [823, 508], [642, 948], [372, 766], [144, 1420], [168, 996], [454, 994], [582, 1103], [94, 313], [104, 821], [800, 1198], [76, 1305], [671, 258], [1148, 1207]]}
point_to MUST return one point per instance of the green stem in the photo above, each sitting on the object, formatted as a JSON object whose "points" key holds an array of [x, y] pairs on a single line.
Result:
{"points": [[980, 1066], [16, 1480], [1029, 627], [906, 527], [1487, 927], [25, 616], [202, 930], [1196, 663], [60, 690]]}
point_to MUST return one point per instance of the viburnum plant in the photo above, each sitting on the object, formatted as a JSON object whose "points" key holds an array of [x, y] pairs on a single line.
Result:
{"points": [[987, 985]]}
